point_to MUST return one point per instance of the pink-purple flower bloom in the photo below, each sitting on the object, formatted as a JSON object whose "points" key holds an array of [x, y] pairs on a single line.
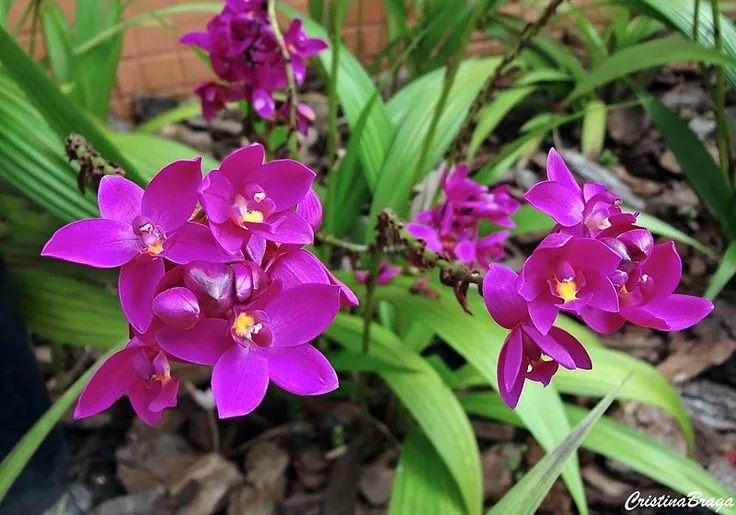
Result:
{"points": [[385, 273], [526, 353]]}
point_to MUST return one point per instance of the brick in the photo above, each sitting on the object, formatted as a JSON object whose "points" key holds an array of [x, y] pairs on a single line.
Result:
{"points": [[159, 73], [373, 12], [129, 76]]}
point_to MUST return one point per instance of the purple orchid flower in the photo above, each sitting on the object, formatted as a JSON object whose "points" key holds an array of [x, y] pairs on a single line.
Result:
{"points": [[385, 273], [579, 211], [137, 230], [301, 47], [141, 372], [523, 352], [568, 273], [214, 97], [267, 338], [646, 294], [247, 201]]}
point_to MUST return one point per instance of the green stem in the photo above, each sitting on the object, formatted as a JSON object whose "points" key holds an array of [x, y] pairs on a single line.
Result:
{"points": [[326, 237], [336, 8], [723, 138], [370, 287], [696, 20], [452, 68]]}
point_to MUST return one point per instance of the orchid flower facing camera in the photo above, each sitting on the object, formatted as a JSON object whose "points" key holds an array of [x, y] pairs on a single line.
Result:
{"points": [[248, 202], [526, 354], [137, 231]]}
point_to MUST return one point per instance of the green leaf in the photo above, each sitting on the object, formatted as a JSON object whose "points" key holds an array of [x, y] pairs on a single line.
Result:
{"points": [[662, 228], [58, 111], [528, 219], [724, 273], [32, 158], [478, 339], [526, 496], [427, 398], [423, 484], [646, 55], [175, 115], [355, 89], [621, 443], [13, 464], [398, 173], [317, 10], [151, 153], [679, 14], [67, 310], [696, 162], [57, 39], [594, 129]]}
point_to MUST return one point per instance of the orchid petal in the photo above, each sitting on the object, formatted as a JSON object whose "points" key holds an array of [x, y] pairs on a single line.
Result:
{"points": [[119, 199], [665, 267], [301, 370], [509, 395], [167, 397], [298, 267], [239, 165], [229, 236], [177, 307], [108, 384], [216, 195], [565, 207], [195, 241], [674, 313], [574, 348], [239, 382], [542, 314], [94, 242], [202, 344], [172, 194], [302, 313], [137, 288], [504, 304], [558, 171], [141, 398], [285, 181], [551, 347], [292, 229], [601, 321]]}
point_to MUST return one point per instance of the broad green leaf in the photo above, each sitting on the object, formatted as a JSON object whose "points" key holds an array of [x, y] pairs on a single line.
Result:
{"points": [[151, 153], [355, 89], [317, 10], [724, 273], [650, 54], [398, 173], [56, 33], [697, 164], [423, 484], [526, 496], [662, 228], [679, 14], [528, 219], [427, 398], [60, 113], [594, 129], [67, 310], [621, 443], [32, 158], [16, 460], [478, 339], [175, 115]]}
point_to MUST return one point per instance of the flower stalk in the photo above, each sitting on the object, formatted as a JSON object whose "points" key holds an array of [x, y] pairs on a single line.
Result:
{"points": [[291, 94], [723, 138]]}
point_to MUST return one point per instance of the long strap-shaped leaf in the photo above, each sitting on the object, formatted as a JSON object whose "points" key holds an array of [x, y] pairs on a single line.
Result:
{"points": [[526, 496], [427, 398]]}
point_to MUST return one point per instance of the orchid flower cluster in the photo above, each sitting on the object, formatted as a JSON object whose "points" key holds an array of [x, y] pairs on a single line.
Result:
{"points": [[212, 272], [597, 264], [248, 61], [452, 227]]}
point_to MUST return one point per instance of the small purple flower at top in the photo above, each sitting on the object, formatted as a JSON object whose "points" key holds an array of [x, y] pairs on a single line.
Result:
{"points": [[568, 273], [214, 97], [646, 294], [249, 202], [266, 339], [523, 354], [301, 47], [141, 372], [137, 230], [385, 274], [579, 211]]}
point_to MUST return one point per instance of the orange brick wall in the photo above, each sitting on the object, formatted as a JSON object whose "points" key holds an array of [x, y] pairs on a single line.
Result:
{"points": [[154, 62]]}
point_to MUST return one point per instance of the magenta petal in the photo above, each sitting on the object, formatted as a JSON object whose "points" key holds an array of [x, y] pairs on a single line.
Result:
{"points": [[665, 267], [586, 253], [194, 241], [94, 242], [558, 171], [239, 165], [542, 314], [551, 347], [564, 206], [229, 236], [256, 248], [108, 384], [292, 229], [465, 251], [263, 103], [119, 199], [177, 307], [301, 370], [298, 267], [674, 313], [302, 313], [505, 306], [137, 287], [285, 181], [216, 194], [575, 349], [602, 321], [239, 382], [310, 208], [543, 372], [604, 295], [141, 397], [427, 234], [167, 397], [171, 196], [347, 296], [203, 344], [513, 358], [509, 395]]}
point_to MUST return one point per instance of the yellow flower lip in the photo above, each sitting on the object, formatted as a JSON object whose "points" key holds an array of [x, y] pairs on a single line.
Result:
{"points": [[243, 325], [252, 216], [155, 248], [567, 290]]}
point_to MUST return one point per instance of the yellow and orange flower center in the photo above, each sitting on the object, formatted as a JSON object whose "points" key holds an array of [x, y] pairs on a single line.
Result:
{"points": [[566, 290], [245, 326], [252, 216], [155, 248]]}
